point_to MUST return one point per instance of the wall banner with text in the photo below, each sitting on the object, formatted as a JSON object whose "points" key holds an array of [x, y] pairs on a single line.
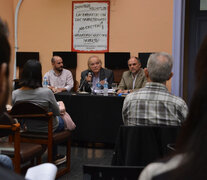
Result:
{"points": [[90, 29]]}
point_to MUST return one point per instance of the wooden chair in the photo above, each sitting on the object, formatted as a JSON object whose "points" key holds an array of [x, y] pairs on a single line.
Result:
{"points": [[19, 152], [31, 111], [98, 172]]}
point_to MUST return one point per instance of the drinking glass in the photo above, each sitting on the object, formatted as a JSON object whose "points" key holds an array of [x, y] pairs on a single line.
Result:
{"points": [[114, 87]]}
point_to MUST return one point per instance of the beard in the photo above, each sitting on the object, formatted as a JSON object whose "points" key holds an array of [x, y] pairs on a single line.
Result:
{"points": [[60, 69]]}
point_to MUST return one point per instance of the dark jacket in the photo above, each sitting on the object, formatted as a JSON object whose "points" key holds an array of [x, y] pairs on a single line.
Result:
{"points": [[104, 73]]}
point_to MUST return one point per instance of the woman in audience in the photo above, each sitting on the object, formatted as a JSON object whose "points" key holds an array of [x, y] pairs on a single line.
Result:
{"points": [[31, 90], [190, 158]]}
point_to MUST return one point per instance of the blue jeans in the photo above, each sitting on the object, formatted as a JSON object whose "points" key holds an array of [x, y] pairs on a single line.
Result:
{"points": [[59, 129], [60, 125], [5, 161]]}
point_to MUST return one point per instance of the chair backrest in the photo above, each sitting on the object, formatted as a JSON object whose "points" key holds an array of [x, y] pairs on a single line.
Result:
{"points": [[98, 172], [118, 74], [140, 145], [30, 111], [25, 107]]}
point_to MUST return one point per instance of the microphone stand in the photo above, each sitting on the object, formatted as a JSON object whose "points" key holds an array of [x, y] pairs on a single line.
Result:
{"points": [[83, 83], [79, 89]]}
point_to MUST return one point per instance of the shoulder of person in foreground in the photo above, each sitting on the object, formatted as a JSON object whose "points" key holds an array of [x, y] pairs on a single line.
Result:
{"points": [[157, 168], [14, 95], [45, 92]]}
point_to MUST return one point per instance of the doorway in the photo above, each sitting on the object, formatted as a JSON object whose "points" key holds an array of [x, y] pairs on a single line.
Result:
{"points": [[195, 31]]}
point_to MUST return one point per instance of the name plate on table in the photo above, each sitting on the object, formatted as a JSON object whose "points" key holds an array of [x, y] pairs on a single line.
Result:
{"points": [[101, 91]]}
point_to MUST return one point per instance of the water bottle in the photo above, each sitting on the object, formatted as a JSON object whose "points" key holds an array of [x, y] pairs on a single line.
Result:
{"points": [[98, 85], [97, 88], [105, 87], [45, 83]]}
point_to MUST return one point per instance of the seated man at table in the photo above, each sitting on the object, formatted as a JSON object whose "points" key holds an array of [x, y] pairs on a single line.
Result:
{"points": [[95, 74], [132, 79], [154, 104], [59, 79]]}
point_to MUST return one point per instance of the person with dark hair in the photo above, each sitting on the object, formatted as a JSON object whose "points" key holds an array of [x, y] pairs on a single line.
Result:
{"points": [[4, 65], [4, 85], [95, 74], [5, 161], [190, 158], [31, 75], [132, 79], [154, 104], [31, 90], [59, 79]]}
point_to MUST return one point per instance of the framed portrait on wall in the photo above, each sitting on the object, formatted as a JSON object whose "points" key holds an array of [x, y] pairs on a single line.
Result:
{"points": [[90, 26]]}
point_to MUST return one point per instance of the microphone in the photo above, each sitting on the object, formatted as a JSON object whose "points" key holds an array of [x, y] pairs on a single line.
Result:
{"points": [[90, 73], [83, 82]]}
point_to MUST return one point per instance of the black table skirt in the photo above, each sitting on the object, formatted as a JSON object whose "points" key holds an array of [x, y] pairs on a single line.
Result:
{"points": [[97, 118]]}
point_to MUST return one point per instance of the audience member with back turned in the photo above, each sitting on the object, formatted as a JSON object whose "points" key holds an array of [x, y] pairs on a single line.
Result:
{"points": [[154, 104], [59, 79], [5, 161], [95, 74], [132, 79], [190, 158], [31, 90]]}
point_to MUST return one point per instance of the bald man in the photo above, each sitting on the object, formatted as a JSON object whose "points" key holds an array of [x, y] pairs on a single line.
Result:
{"points": [[132, 79], [59, 79]]}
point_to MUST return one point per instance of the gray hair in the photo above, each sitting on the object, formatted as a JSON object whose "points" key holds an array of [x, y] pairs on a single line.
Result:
{"points": [[94, 56], [159, 66]]}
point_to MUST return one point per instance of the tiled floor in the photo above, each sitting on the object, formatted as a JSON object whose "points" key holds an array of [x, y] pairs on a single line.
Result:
{"points": [[83, 155]]}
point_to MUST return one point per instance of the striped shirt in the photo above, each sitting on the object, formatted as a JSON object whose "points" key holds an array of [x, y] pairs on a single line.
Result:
{"points": [[153, 105]]}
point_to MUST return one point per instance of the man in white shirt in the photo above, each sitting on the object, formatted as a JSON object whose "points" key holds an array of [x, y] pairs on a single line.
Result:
{"points": [[59, 79]]}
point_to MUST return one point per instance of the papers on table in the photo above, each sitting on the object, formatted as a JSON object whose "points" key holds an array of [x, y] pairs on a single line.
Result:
{"points": [[101, 91]]}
